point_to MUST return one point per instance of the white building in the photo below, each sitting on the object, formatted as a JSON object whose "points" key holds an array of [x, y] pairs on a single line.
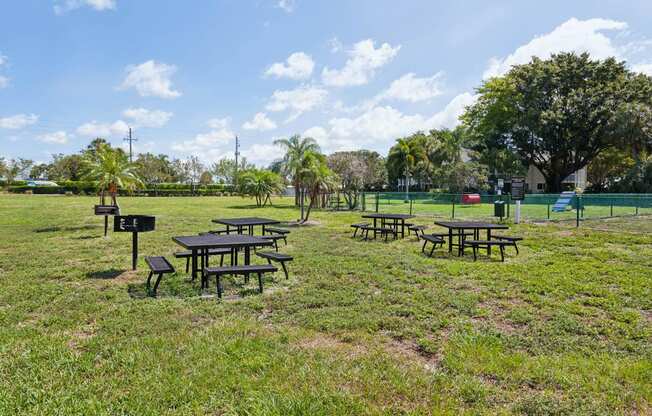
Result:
{"points": [[536, 183]]}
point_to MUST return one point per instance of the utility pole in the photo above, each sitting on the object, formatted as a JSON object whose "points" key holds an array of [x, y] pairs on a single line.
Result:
{"points": [[130, 140], [237, 153]]}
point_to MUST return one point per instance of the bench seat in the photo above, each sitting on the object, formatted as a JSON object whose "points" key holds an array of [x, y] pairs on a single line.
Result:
{"points": [[477, 244], [358, 226], [158, 265], [245, 270], [277, 230], [275, 238], [417, 229], [435, 240], [382, 230], [278, 257]]}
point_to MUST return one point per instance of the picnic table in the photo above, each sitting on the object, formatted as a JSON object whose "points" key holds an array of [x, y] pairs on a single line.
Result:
{"points": [[200, 244], [394, 218], [240, 223], [461, 226]]}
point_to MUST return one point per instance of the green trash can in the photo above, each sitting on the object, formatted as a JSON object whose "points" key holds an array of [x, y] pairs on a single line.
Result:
{"points": [[499, 209]]}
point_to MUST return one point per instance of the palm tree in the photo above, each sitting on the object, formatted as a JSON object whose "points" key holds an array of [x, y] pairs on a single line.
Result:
{"points": [[407, 152], [316, 178], [295, 150], [260, 184], [112, 170]]}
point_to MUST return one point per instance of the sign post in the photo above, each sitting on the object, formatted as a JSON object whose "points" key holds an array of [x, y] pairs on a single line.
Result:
{"points": [[133, 224], [518, 194]]}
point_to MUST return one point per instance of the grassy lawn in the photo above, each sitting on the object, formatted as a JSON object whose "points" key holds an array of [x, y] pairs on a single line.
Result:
{"points": [[359, 328]]}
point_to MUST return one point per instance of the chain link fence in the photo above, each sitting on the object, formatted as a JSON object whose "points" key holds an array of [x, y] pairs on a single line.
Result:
{"points": [[534, 208]]}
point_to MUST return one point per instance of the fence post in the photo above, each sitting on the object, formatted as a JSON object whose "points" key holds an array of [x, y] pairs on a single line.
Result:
{"points": [[364, 201], [611, 212], [453, 209], [509, 202], [377, 197], [548, 210], [577, 210]]}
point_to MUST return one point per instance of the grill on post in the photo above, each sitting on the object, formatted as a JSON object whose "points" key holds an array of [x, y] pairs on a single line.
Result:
{"points": [[134, 224]]}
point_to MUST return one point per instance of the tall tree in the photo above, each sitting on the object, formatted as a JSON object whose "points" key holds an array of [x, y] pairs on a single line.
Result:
{"points": [[153, 169], [296, 148], [559, 114], [112, 170], [15, 168], [315, 178], [67, 167], [225, 170], [404, 156], [260, 184]]}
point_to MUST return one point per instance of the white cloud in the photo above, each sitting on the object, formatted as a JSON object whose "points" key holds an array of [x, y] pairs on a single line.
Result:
{"points": [[64, 6], [4, 81], [18, 121], [151, 78], [335, 45], [262, 153], [297, 101], [363, 61], [380, 125], [413, 89], [299, 66], [143, 117], [58, 137], [3, 59], [643, 68], [260, 122], [286, 5], [94, 129], [571, 36], [214, 140]]}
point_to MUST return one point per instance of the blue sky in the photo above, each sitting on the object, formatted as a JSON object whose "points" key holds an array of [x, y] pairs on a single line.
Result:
{"points": [[189, 76]]}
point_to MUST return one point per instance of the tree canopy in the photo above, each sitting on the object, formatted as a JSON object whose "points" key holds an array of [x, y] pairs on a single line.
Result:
{"points": [[559, 114]]}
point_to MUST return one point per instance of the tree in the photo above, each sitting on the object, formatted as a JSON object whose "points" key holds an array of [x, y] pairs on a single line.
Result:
{"points": [[315, 178], [15, 168], [70, 167], [3, 167], [608, 168], [357, 171], [260, 184], [153, 169], [112, 170], [194, 167], [460, 177], [404, 156], [296, 148], [638, 179], [225, 170], [559, 114], [39, 171], [206, 178]]}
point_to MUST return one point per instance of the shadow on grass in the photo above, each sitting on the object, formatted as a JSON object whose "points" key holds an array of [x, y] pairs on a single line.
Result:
{"points": [[105, 274], [57, 228], [253, 206], [87, 237]]}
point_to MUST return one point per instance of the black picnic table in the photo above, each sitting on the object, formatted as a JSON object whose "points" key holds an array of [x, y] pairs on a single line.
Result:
{"points": [[240, 223], [200, 244], [395, 218], [475, 226]]}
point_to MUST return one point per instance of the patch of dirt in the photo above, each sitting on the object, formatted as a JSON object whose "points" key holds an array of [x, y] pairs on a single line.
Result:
{"points": [[308, 223], [80, 336]]}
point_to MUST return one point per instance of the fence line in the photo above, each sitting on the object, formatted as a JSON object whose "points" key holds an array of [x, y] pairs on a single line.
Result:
{"points": [[535, 207]]}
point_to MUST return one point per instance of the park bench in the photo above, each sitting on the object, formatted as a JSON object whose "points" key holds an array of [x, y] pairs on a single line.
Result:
{"points": [[246, 270], [510, 239], [359, 226], [187, 254], [276, 230], [275, 238], [383, 231], [417, 229], [158, 265], [279, 257], [478, 244], [435, 240]]}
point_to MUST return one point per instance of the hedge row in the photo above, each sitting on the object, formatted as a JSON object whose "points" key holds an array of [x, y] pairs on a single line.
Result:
{"points": [[90, 188]]}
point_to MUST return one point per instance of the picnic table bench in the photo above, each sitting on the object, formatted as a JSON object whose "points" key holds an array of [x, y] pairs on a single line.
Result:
{"points": [[245, 270], [158, 265]]}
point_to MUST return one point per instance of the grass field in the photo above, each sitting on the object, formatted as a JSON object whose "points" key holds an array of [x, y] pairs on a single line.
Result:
{"points": [[359, 328]]}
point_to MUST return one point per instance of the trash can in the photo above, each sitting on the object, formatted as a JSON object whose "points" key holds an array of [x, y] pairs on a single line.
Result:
{"points": [[499, 209]]}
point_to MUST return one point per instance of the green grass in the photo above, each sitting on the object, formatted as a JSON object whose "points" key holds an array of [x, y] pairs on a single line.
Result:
{"points": [[359, 328]]}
